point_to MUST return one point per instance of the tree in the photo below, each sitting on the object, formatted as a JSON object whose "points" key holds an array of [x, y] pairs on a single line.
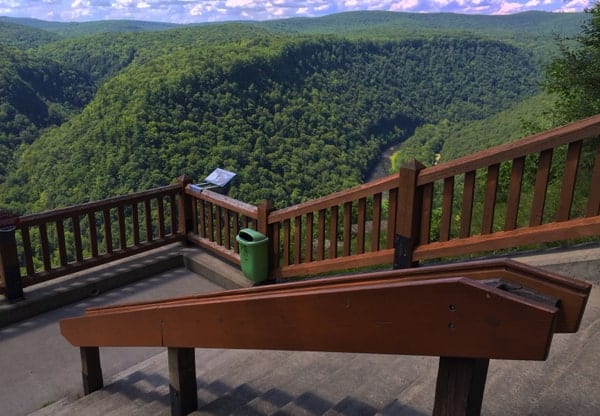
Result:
{"points": [[574, 76]]}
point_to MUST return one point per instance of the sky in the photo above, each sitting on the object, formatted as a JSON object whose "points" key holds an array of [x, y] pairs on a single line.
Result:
{"points": [[197, 11]]}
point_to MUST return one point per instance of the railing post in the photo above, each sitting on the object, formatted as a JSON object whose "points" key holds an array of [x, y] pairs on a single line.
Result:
{"points": [[186, 221], [262, 226], [460, 386], [408, 214], [262, 223], [183, 389], [10, 275], [91, 370]]}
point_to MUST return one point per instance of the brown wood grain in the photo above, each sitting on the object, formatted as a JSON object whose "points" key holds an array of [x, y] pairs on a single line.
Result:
{"points": [[447, 202], [593, 206], [514, 194], [541, 187], [441, 317], [489, 202], [467, 205], [568, 184]]}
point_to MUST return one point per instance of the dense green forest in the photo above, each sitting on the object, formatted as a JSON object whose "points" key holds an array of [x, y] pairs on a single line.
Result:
{"points": [[296, 112], [448, 140]]}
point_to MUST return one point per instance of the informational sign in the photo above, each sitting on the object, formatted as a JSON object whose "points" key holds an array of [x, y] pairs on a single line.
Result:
{"points": [[218, 178]]}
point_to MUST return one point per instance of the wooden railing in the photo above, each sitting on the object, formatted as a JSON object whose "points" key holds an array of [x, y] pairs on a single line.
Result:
{"points": [[498, 198], [486, 201], [214, 220], [63, 241], [352, 228]]}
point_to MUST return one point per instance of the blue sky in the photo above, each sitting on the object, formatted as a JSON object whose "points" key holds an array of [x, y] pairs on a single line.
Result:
{"points": [[194, 11]]}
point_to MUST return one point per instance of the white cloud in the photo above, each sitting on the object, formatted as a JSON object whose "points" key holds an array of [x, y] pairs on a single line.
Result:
{"points": [[574, 6], [240, 3], [404, 5], [508, 7], [188, 11]]}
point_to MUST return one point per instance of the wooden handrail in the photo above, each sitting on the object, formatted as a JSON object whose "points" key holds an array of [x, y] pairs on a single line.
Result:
{"points": [[336, 198], [583, 129], [84, 208], [59, 257], [572, 292], [418, 312]]}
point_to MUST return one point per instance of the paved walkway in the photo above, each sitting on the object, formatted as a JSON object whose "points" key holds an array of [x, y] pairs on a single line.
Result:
{"points": [[38, 366]]}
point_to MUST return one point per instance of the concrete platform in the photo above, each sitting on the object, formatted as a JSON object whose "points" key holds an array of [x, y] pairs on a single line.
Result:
{"points": [[41, 371]]}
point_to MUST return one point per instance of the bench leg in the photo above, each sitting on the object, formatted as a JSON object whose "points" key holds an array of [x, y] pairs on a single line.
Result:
{"points": [[460, 386], [183, 389], [91, 371]]}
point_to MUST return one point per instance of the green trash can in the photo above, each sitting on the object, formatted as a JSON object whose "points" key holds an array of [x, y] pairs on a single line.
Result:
{"points": [[254, 254]]}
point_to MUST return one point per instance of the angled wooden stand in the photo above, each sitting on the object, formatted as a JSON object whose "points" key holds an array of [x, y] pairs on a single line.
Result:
{"points": [[511, 310]]}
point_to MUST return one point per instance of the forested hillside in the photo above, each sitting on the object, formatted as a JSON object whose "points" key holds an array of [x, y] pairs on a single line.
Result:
{"points": [[295, 115], [76, 29], [35, 94], [295, 119], [448, 140]]}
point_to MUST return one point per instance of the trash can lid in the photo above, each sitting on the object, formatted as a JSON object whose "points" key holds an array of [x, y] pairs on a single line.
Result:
{"points": [[250, 235]]}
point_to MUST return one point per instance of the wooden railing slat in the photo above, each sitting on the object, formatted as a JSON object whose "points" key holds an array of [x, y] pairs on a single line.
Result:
{"points": [[489, 203], [541, 188], [569, 178], [27, 251], [77, 238], [45, 247], [321, 235], [135, 220], [218, 225], [173, 208], [347, 228], [593, 206], [161, 216], [286, 242], [297, 239], [392, 210], [122, 229], [275, 245], [308, 247], [514, 194], [447, 201], [333, 231], [210, 221], [425, 228], [62, 246], [199, 218], [93, 234], [362, 218], [148, 217], [376, 223], [108, 243], [467, 204], [226, 228], [236, 229]]}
